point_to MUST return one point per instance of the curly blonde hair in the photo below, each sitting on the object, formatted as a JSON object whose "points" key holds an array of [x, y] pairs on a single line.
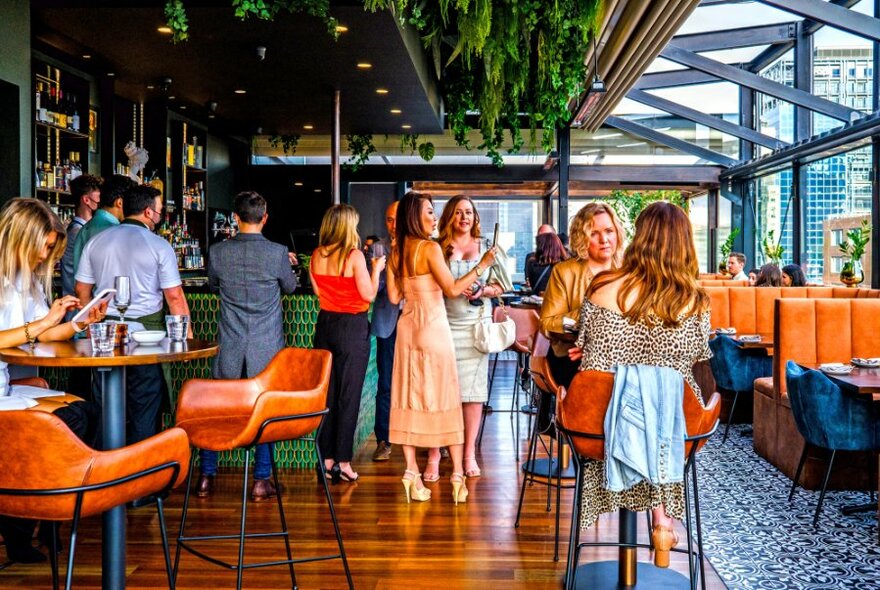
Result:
{"points": [[582, 224]]}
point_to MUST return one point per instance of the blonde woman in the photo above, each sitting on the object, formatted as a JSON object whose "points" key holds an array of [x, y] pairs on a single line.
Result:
{"points": [[597, 245], [462, 246], [345, 289]]}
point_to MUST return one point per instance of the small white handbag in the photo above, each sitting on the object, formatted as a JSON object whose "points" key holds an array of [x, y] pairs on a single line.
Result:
{"points": [[491, 336]]}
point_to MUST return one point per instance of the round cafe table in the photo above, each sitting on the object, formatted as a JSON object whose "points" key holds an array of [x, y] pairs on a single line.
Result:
{"points": [[111, 366]]}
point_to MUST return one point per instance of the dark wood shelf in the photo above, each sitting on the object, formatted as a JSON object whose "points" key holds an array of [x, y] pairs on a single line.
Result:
{"points": [[76, 134], [196, 169], [54, 191], [193, 210]]}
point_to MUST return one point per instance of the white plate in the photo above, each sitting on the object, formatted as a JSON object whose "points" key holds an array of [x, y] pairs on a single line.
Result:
{"points": [[725, 330], [148, 336], [750, 338], [836, 368], [870, 363]]}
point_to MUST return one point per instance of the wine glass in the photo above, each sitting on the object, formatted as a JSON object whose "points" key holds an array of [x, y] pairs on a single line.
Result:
{"points": [[122, 298], [378, 250]]}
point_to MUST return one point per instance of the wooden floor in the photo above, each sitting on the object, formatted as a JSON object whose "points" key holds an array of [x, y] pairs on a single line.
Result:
{"points": [[389, 544]]}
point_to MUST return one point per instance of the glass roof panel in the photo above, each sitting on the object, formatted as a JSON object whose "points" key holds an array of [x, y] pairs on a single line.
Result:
{"points": [[733, 16]]}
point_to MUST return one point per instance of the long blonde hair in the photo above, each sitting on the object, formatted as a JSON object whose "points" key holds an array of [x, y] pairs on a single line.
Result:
{"points": [[25, 225], [447, 220], [661, 264], [582, 225], [339, 233]]}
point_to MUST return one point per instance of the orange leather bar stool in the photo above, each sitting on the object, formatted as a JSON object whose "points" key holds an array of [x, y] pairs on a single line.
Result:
{"points": [[527, 325], [287, 401], [580, 416], [67, 480], [544, 470]]}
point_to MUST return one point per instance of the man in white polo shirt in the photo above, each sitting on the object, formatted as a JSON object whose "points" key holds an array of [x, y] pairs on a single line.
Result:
{"points": [[132, 249]]}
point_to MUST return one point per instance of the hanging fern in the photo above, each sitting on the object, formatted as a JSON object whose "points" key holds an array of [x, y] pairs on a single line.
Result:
{"points": [[360, 146], [288, 143], [176, 19], [505, 60]]}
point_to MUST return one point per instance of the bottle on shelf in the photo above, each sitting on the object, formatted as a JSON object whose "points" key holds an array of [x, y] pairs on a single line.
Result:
{"points": [[61, 113], [74, 121]]}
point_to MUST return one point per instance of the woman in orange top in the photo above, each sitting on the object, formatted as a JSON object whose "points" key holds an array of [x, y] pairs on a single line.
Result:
{"points": [[345, 289]]}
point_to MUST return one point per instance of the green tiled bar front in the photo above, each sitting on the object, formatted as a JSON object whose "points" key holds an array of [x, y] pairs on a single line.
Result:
{"points": [[300, 315]]}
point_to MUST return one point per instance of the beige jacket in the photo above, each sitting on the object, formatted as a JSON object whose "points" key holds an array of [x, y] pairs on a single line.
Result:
{"points": [[563, 298]]}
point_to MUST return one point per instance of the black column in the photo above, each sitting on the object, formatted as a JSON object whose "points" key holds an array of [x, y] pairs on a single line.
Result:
{"points": [[563, 146]]}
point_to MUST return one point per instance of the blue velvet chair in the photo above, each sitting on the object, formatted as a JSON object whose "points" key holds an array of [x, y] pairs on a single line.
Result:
{"points": [[827, 418], [735, 369]]}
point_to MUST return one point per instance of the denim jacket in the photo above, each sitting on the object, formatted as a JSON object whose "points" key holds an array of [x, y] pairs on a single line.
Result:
{"points": [[645, 427]]}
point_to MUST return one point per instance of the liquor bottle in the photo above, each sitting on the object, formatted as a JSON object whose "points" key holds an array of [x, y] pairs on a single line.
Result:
{"points": [[44, 104], [52, 118], [37, 101], [49, 174], [75, 118], [61, 113]]}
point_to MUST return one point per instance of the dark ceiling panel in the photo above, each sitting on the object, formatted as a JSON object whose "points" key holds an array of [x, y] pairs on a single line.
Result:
{"points": [[292, 87]]}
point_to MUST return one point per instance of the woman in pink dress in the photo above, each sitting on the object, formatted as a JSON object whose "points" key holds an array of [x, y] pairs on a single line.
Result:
{"points": [[425, 398]]}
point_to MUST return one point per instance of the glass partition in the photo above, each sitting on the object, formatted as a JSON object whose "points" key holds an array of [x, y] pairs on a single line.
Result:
{"points": [[699, 214], [773, 214]]}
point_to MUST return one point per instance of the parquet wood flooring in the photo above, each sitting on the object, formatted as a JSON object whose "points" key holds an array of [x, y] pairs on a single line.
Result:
{"points": [[390, 544]]}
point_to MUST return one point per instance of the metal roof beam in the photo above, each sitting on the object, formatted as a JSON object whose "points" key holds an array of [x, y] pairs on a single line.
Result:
{"points": [[833, 15], [710, 121], [756, 82], [673, 78], [734, 38], [668, 140]]}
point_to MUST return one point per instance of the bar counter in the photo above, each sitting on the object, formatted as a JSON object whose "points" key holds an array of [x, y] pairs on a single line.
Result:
{"points": [[300, 312]]}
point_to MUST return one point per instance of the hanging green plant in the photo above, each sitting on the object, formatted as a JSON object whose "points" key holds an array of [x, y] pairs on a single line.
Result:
{"points": [[360, 146], [176, 20], [409, 141], [288, 143], [426, 151], [505, 61]]}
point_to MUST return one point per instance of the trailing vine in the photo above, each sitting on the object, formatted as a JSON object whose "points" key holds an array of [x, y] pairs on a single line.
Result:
{"points": [[287, 142], [410, 141], [176, 19], [628, 205], [506, 61], [360, 146]]}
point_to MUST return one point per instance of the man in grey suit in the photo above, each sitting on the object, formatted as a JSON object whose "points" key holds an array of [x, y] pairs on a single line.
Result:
{"points": [[250, 273], [384, 328]]}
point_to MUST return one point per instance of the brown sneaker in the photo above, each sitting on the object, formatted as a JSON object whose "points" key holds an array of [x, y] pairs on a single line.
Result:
{"points": [[205, 486], [382, 452], [263, 490]]}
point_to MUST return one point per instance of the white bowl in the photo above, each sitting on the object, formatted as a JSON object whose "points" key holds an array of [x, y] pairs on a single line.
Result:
{"points": [[148, 336]]}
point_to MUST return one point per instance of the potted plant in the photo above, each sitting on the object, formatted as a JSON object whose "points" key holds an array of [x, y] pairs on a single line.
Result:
{"points": [[726, 248], [854, 248], [772, 251]]}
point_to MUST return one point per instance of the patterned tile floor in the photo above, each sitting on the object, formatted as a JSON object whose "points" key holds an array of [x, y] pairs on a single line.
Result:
{"points": [[756, 539]]}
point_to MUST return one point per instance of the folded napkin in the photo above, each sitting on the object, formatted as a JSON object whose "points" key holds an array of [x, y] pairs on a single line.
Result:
{"points": [[31, 392]]}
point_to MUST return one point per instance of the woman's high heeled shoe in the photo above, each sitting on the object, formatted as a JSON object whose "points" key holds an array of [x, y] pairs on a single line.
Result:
{"points": [[664, 539], [459, 491], [413, 492]]}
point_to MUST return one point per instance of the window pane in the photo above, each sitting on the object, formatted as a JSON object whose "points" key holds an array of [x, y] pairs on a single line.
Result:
{"points": [[838, 198], [699, 215], [773, 213], [517, 225]]}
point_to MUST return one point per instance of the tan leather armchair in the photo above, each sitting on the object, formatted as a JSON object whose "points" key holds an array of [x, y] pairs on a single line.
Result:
{"points": [[50, 474]]}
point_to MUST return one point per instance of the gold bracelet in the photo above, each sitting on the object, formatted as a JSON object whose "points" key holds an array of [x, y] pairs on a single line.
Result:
{"points": [[27, 334]]}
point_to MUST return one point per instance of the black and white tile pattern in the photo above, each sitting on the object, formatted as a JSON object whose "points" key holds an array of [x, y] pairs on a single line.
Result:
{"points": [[756, 539]]}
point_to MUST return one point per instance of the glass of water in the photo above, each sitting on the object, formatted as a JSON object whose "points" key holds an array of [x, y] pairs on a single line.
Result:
{"points": [[102, 336]]}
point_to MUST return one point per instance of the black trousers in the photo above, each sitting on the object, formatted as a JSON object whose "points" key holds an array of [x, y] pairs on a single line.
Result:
{"points": [[145, 390], [17, 533], [347, 337]]}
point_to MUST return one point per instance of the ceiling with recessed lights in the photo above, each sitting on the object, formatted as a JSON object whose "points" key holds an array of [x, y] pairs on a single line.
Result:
{"points": [[383, 74]]}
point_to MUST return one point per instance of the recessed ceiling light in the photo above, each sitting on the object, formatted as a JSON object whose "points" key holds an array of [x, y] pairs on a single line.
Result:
{"points": [[111, 74], [183, 107], [396, 111], [86, 56], [381, 91], [165, 30], [406, 126], [211, 116], [240, 91], [150, 86], [308, 126], [297, 184], [341, 29], [364, 65], [317, 190], [171, 97]]}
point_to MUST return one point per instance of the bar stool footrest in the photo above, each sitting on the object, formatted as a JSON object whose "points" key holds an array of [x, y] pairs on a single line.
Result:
{"points": [[603, 575], [232, 566]]}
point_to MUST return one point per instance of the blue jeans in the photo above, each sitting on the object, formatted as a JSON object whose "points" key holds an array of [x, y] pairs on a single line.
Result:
{"points": [[262, 462], [384, 367]]}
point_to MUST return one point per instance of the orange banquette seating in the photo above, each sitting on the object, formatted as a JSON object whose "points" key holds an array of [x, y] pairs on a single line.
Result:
{"points": [[813, 331], [722, 283]]}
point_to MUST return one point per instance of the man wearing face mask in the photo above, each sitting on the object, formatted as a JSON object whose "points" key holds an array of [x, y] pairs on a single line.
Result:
{"points": [[86, 192], [132, 249]]}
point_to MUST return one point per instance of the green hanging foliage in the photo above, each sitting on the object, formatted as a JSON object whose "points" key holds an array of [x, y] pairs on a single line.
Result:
{"points": [[426, 151], [360, 147], [176, 20], [288, 143], [409, 141], [505, 60], [628, 205]]}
